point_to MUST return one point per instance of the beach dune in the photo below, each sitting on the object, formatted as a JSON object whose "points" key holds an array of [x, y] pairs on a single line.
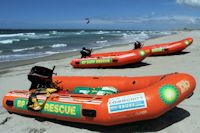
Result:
{"points": [[183, 118]]}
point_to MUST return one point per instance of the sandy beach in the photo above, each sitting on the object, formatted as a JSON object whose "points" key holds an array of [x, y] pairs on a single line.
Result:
{"points": [[182, 119]]}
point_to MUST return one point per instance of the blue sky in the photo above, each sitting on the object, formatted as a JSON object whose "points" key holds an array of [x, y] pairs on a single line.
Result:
{"points": [[104, 14]]}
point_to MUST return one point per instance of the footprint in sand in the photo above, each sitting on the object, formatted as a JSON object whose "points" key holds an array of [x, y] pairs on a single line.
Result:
{"points": [[34, 130], [5, 120]]}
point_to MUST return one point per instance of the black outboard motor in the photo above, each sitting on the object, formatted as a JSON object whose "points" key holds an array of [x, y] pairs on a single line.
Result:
{"points": [[40, 77], [85, 52], [138, 45]]}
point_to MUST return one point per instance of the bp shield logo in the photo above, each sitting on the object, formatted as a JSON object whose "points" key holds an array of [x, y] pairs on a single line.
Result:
{"points": [[187, 42], [169, 94], [142, 53]]}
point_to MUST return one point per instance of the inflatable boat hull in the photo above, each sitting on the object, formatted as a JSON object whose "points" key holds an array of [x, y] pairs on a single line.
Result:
{"points": [[169, 48], [139, 98], [112, 59]]}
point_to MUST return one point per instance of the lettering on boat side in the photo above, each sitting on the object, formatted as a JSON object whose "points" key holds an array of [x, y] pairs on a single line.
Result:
{"points": [[96, 61], [126, 103], [184, 85], [169, 94], [55, 108]]}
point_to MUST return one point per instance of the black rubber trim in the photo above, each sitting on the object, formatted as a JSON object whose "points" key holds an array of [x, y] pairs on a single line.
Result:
{"points": [[9, 103], [89, 112]]}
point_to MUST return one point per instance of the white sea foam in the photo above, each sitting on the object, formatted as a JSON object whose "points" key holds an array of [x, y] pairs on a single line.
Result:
{"points": [[36, 36], [23, 49], [51, 52], [11, 35], [14, 57], [116, 31], [132, 36], [46, 34], [58, 45], [10, 56], [103, 41], [9, 41], [80, 33], [17, 35], [25, 36], [141, 35], [30, 34], [6, 41], [40, 47], [124, 35], [26, 49], [25, 39], [102, 32], [53, 32]]}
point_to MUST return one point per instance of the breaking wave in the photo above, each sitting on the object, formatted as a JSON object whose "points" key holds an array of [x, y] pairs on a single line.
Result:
{"points": [[58, 45], [9, 41], [103, 41], [37, 43], [26, 49]]}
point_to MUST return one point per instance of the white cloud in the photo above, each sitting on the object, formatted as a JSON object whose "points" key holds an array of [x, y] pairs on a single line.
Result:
{"points": [[101, 21], [158, 22], [189, 2], [145, 22], [166, 19]]}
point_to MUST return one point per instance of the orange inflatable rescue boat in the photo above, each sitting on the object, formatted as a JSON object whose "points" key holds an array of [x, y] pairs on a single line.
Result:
{"points": [[107, 100], [169, 48], [121, 58], [112, 59]]}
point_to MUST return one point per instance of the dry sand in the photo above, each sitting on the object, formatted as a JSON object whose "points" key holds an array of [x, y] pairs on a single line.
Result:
{"points": [[184, 118]]}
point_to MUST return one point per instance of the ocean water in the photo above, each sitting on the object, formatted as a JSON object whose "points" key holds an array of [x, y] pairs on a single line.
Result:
{"points": [[28, 44]]}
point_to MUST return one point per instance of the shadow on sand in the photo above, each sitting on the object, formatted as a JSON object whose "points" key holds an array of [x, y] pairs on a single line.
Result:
{"points": [[162, 122], [134, 65]]}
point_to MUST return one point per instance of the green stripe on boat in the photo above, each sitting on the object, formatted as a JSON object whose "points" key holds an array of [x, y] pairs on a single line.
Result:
{"points": [[154, 50]]}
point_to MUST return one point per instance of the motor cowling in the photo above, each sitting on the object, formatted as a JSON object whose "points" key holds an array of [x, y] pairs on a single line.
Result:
{"points": [[40, 77]]}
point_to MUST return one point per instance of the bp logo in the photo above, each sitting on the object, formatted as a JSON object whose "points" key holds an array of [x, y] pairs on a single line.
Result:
{"points": [[187, 42], [168, 94], [142, 53]]}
